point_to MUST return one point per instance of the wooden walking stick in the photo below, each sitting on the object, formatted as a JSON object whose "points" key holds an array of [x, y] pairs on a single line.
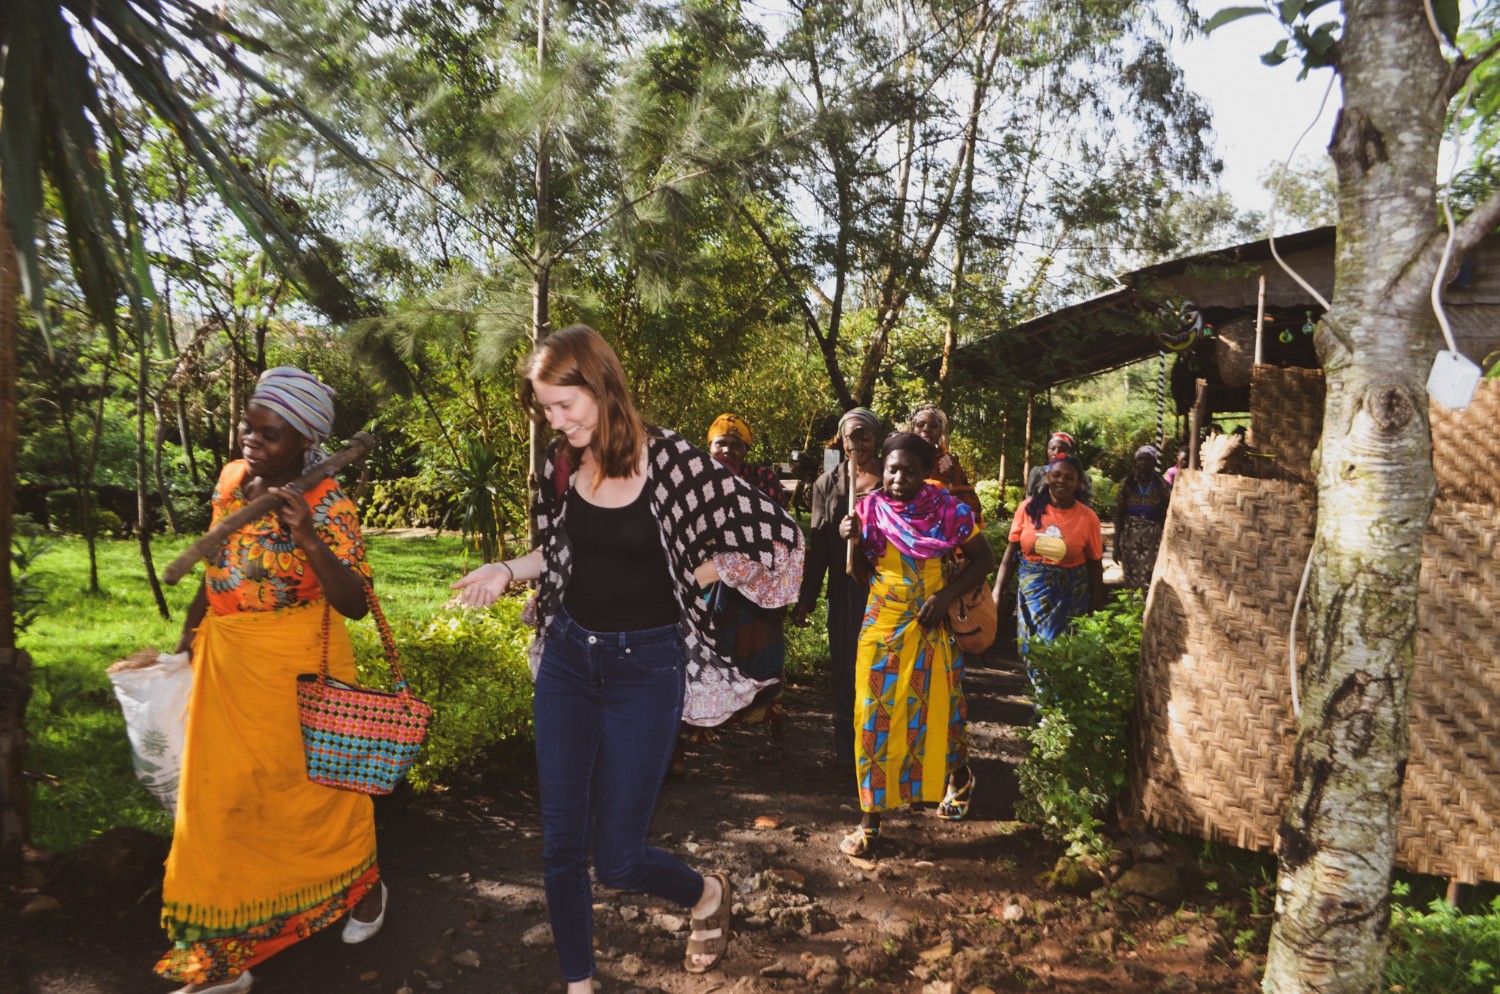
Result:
{"points": [[853, 476], [358, 448]]}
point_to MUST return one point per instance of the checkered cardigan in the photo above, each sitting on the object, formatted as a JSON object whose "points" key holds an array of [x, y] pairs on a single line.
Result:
{"points": [[706, 513]]}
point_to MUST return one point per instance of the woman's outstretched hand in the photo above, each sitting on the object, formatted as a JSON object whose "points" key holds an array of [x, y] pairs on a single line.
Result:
{"points": [[482, 587]]}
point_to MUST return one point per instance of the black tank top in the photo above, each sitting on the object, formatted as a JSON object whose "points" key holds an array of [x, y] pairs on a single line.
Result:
{"points": [[620, 580]]}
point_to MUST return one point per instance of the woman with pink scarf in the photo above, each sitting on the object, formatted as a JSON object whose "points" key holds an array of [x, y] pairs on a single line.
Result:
{"points": [[911, 742]]}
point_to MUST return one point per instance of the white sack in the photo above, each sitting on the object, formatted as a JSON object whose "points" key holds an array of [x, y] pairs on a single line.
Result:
{"points": [[153, 690]]}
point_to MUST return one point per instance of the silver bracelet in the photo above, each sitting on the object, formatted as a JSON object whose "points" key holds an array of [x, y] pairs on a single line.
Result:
{"points": [[508, 572]]}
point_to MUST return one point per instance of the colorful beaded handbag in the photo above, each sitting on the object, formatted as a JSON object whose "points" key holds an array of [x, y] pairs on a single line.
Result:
{"points": [[357, 738]]}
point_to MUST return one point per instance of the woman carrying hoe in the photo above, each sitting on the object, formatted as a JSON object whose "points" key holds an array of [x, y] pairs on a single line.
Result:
{"points": [[261, 856], [634, 524]]}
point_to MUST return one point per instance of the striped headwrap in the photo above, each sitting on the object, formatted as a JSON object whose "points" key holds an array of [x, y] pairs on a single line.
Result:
{"points": [[303, 401], [863, 416], [933, 409]]}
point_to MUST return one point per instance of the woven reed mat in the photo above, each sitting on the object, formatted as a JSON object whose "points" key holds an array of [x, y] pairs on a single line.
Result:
{"points": [[1214, 752], [1286, 421], [1466, 447]]}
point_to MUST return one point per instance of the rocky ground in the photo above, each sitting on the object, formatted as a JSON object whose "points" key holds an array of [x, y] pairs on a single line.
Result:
{"points": [[945, 909]]}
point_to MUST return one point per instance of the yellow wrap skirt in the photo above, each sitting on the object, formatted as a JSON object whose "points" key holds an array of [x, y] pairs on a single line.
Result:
{"points": [[261, 856], [909, 708]]}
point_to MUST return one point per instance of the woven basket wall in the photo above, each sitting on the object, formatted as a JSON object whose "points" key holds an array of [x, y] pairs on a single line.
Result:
{"points": [[1212, 711], [1286, 421], [1466, 448], [1214, 752]]}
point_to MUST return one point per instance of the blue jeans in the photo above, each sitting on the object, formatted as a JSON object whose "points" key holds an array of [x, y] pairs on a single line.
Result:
{"points": [[607, 708]]}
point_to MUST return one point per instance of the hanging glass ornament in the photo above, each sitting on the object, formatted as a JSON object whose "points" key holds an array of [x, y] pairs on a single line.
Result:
{"points": [[1285, 336], [1307, 326]]}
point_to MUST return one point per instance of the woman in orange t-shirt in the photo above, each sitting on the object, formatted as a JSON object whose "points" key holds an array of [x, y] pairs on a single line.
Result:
{"points": [[1056, 551]]}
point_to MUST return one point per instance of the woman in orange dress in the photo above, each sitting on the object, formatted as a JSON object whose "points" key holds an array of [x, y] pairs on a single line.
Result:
{"points": [[261, 856]]}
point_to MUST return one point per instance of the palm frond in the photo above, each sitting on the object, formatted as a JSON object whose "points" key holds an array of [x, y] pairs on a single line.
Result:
{"points": [[60, 56]]}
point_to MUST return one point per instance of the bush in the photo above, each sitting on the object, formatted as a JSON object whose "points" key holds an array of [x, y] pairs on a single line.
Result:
{"points": [[1443, 950], [407, 502], [1076, 756], [807, 648], [999, 503], [193, 512], [62, 511], [108, 524], [471, 667]]}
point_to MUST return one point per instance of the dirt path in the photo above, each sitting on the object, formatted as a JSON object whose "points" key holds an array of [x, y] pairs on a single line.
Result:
{"points": [[948, 908]]}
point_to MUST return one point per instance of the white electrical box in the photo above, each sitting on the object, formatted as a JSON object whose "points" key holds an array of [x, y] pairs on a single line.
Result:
{"points": [[1453, 380]]}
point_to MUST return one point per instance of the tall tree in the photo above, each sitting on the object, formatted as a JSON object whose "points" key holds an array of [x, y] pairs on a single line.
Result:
{"points": [[522, 143], [63, 62], [1374, 477], [981, 133]]}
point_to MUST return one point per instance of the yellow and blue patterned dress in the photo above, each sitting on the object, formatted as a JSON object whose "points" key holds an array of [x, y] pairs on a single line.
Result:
{"points": [[909, 709]]}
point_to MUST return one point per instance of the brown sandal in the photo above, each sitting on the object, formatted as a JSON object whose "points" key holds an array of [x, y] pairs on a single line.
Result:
{"points": [[714, 931]]}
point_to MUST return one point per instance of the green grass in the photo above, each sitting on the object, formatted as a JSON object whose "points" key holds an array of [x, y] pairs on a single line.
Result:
{"points": [[77, 733], [472, 669]]}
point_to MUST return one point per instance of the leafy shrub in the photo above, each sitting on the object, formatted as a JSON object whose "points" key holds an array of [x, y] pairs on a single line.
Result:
{"points": [[807, 648], [1076, 756], [989, 494], [999, 503], [28, 597], [474, 479], [471, 667], [406, 502], [1443, 950], [193, 513], [108, 523], [62, 511]]}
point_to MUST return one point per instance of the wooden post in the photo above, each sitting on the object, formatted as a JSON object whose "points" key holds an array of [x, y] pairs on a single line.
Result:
{"points": [[1026, 464], [1004, 437], [853, 480], [1200, 410], [1260, 317]]}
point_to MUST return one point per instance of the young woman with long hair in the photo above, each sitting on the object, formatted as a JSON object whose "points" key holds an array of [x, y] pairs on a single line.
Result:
{"points": [[635, 524]]}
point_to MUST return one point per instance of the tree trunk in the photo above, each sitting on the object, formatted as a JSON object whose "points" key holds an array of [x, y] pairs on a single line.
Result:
{"points": [[186, 436], [1026, 457], [236, 404], [541, 318], [161, 484], [1375, 491], [93, 462], [15, 665], [142, 505]]}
